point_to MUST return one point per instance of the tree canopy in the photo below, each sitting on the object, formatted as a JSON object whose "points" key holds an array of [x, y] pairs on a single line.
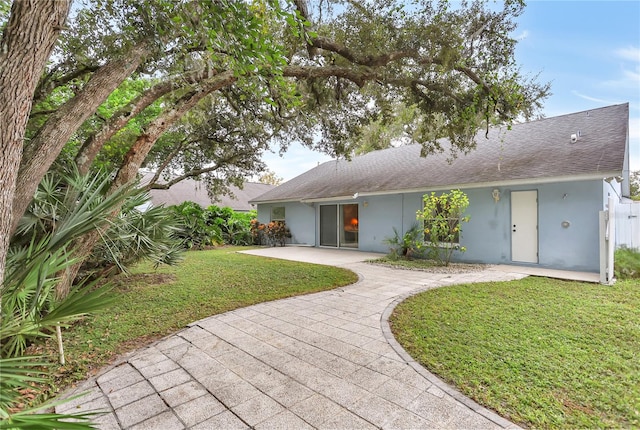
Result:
{"points": [[195, 88]]}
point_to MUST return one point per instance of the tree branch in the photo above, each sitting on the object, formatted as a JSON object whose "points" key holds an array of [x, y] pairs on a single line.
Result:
{"points": [[140, 149], [166, 161], [367, 60], [196, 172], [54, 134], [48, 84], [94, 143], [359, 77]]}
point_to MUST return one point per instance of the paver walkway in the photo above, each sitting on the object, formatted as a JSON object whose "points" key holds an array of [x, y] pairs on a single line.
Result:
{"points": [[323, 360]]}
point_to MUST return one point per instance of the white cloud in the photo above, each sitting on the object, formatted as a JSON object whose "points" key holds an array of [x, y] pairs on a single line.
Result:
{"points": [[630, 53], [634, 128], [632, 75], [594, 99], [522, 35]]}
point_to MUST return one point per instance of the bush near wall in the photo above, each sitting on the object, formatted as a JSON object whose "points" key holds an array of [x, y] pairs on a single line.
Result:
{"points": [[235, 227], [272, 234], [212, 226]]}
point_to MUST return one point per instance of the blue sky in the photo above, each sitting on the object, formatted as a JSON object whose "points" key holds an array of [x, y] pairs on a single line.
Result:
{"points": [[588, 50]]}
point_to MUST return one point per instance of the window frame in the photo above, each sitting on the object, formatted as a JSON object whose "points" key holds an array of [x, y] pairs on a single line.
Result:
{"points": [[275, 209], [427, 237]]}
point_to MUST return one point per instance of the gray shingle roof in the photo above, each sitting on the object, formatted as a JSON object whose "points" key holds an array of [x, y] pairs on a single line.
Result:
{"points": [[529, 152], [195, 191]]}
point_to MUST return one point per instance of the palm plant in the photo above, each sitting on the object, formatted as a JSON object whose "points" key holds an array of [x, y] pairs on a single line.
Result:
{"points": [[17, 375], [405, 245], [197, 228], [135, 235], [29, 307]]}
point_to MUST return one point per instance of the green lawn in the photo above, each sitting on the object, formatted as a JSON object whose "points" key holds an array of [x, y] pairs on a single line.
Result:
{"points": [[150, 304], [543, 353]]}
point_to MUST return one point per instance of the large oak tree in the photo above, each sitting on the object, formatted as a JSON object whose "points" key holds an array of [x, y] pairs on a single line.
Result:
{"points": [[205, 87], [26, 43]]}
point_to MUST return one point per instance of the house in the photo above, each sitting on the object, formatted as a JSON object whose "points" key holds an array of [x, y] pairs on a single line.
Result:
{"points": [[196, 191], [535, 192]]}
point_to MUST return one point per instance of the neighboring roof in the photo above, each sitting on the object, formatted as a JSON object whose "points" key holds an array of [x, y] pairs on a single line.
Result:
{"points": [[536, 151], [196, 191]]}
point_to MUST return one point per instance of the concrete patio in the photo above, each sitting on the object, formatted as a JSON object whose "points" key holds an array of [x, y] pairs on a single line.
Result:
{"points": [[325, 360]]}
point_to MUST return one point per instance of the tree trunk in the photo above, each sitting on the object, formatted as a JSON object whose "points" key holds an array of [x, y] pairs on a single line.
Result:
{"points": [[140, 149], [46, 145], [25, 46], [94, 143], [134, 159], [92, 146]]}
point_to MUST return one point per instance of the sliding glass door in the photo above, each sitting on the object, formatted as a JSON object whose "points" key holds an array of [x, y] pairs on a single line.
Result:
{"points": [[339, 225], [329, 225]]}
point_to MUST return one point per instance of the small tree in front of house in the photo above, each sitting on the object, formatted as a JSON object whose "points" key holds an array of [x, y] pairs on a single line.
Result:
{"points": [[442, 216]]}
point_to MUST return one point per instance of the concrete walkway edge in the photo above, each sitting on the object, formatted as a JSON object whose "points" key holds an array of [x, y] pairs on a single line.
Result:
{"points": [[419, 368], [324, 360]]}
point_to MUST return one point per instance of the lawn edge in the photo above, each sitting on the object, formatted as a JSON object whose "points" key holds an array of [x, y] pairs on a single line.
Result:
{"points": [[436, 381]]}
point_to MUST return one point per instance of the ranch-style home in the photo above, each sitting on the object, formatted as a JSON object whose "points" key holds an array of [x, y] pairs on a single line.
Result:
{"points": [[535, 192]]}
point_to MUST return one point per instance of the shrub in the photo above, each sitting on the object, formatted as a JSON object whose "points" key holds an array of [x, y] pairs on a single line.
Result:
{"points": [[65, 208], [272, 234], [235, 227], [258, 233], [442, 217], [197, 229], [407, 245], [213, 226], [135, 236], [627, 263]]}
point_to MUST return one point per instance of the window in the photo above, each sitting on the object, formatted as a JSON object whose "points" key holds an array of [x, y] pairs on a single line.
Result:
{"points": [[277, 213], [444, 224]]}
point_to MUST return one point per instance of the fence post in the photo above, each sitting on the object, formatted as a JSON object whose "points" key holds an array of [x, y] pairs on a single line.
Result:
{"points": [[602, 218], [607, 243], [611, 244]]}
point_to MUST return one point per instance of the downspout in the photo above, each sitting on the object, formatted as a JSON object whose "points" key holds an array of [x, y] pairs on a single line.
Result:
{"points": [[402, 212]]}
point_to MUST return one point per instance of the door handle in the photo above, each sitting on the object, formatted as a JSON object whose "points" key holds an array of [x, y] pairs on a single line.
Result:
{"points": [[514, 228]]}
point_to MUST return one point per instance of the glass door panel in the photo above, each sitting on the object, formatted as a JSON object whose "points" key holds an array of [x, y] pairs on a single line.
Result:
{"points": [[349, 226], [329, 225]]}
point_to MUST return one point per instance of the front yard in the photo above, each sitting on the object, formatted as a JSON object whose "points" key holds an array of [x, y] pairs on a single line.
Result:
{"points": [[543, 353], [150, 303]]}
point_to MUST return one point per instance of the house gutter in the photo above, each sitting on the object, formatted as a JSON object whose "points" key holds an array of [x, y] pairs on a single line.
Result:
{"points": [[304, 201], [470, 185], [495, 184], [329, 199]]}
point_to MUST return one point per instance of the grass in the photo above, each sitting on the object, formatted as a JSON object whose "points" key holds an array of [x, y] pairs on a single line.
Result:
{"points": [[543, 353], [150, 304], [627, 263]]}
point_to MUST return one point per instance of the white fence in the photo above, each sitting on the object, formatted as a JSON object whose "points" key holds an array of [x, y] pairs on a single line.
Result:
{"points": [[627, 222]]}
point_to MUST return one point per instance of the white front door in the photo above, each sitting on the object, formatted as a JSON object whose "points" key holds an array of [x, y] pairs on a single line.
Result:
{"points": [[524, 226]]}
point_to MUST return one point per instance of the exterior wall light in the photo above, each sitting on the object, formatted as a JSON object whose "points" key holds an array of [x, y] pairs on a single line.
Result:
{"points": [[496, 195]]}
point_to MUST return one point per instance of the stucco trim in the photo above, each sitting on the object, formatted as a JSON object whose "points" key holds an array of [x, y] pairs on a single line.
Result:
{"points": [[496, 184]]}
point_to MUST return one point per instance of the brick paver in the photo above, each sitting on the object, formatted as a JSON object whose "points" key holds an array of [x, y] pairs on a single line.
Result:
{"points": [[324, 360]]}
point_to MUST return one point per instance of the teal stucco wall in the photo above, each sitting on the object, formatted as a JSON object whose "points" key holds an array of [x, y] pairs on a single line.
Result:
{"points": [[568, 231]]}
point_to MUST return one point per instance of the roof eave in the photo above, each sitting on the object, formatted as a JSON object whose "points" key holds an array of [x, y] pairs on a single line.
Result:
{"points": [[472, 185], [498, 184]]}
